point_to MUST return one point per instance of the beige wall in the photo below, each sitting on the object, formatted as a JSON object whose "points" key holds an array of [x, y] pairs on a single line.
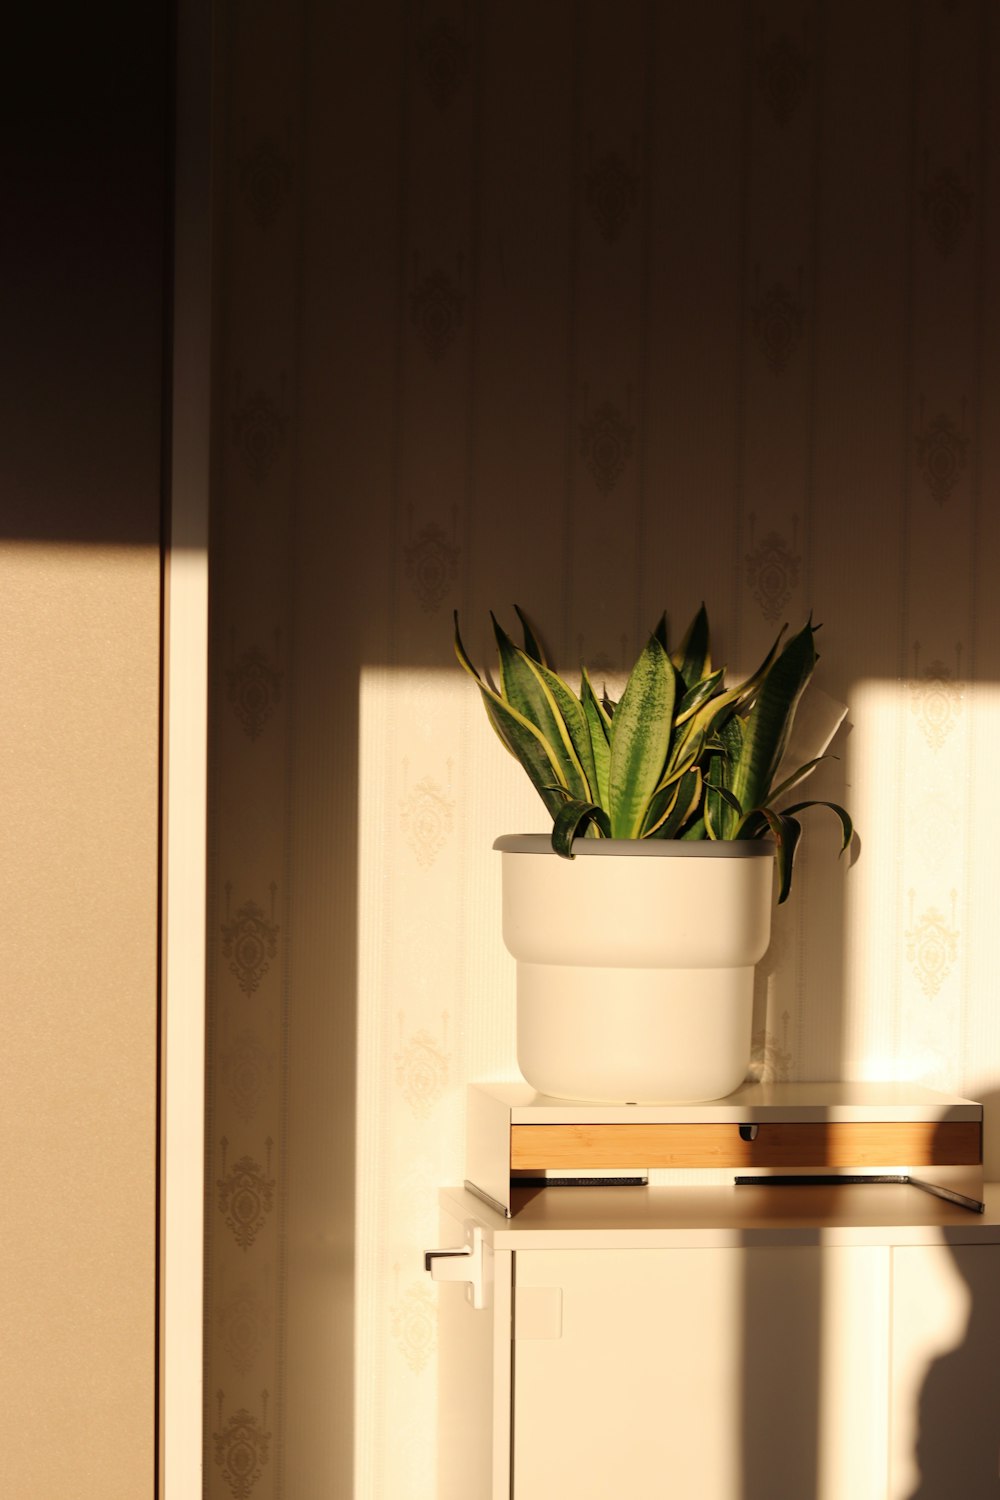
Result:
{"points": [[81, 267], [599, 309], [78, 960]]}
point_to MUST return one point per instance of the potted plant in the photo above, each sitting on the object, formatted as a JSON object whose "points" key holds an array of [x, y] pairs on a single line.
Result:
{"points": [[635, 962]]}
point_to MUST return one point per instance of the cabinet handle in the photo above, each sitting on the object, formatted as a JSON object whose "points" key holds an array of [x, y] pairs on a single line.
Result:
{"points": [[748, 1132], [471, 1263]]}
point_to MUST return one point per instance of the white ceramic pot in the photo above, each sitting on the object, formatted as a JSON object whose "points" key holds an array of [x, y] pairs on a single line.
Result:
{"points": [[635, 964]]}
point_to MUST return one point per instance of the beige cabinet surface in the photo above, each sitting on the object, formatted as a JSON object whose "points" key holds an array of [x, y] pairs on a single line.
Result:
{"points": [[945, 1372], [626, 1353], [702, 1373]]}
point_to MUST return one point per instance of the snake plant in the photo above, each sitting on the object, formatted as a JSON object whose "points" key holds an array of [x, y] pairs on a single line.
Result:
{"points": [[681, 755]]}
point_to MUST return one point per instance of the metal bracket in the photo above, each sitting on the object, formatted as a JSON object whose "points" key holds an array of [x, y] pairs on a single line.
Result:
{"points": [[845, 1179], [471, 1263]]}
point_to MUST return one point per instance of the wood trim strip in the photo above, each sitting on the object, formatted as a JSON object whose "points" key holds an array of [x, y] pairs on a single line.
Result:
{"points": [[911, 1143]]}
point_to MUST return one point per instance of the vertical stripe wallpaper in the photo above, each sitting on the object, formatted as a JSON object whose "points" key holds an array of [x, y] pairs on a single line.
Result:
{"points": [[596, 309]]}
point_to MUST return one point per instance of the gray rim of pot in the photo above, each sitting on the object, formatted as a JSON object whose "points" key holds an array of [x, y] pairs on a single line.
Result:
{"points": [[541, 843]]}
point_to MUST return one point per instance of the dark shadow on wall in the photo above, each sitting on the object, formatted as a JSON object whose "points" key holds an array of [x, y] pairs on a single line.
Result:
{"points": [[287, 585], [85, 160], [957, 1448]]}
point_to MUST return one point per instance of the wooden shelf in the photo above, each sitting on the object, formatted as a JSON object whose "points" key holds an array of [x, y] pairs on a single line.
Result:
{"points": [[918, 1143], [894, 1130]]}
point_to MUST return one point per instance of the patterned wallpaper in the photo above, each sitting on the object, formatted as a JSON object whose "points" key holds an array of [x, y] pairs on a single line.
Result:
{"points": [[598, 308]]}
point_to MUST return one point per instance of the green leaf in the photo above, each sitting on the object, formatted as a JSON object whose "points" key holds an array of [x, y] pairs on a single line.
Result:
{"points": [[722, 811], [572, 819], [526, 743], [693, 658], [671, 806], [701, 725], [700, 693], [523, 739], [660, 808], [731, 735], [599, 724], [722, 807], [587, 692], [621, 770], [531, 644], [532, 690], [846, 825], [769, 722], [640, 738], [673, 773], [786, 831], [713, 714], [575, 719]]}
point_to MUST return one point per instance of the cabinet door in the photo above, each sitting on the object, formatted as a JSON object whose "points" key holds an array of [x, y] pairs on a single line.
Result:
{"points": [[717, 1374], [945, 1373]]}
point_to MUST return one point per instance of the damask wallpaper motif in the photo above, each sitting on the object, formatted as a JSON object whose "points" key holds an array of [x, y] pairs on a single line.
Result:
{"points": [[259, 184], [597, 309]]}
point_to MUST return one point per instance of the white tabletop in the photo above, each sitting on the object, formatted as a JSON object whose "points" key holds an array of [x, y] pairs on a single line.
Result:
{"points": [[730, 1216]]}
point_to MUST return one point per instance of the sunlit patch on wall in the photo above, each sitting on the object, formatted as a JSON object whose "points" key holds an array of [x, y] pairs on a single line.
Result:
{"points": [[931, 944], [414, 1321], [426, 818], [422, 1067], [936, 694], [771, 1058], [873, 938]]}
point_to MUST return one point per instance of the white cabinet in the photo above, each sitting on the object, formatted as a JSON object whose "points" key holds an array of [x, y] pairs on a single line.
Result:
{"points": [[699, 1372], [945, 1363], [647, 1343]]}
